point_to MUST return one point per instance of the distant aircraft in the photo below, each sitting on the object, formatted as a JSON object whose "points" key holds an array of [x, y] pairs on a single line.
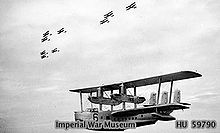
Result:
{"points": [[145, 115], [55, 50], [44, 54], [46, 33], [133, 5], [61, 30]]}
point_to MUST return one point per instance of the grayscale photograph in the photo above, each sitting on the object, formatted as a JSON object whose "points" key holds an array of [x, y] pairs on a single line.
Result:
{"points": [[109, 66]]}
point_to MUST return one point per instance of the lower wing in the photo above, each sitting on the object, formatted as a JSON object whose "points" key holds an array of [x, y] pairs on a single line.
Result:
{"points": [[150, 109]]}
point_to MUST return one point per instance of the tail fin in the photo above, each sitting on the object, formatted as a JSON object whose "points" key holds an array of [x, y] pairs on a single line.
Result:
{"points": [[177, 97], [152, 98], [164, 98]]}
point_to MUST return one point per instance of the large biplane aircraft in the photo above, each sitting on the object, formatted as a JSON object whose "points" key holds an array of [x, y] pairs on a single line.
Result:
{"points": [[145, 115]]}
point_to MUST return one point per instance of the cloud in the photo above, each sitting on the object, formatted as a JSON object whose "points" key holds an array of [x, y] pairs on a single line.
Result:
{"points": [[3, 125], [45, 89], [204, 97], [156, 38]]}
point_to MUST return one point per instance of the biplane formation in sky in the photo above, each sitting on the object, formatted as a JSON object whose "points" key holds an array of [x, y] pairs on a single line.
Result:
{"points": [[145, 115]]}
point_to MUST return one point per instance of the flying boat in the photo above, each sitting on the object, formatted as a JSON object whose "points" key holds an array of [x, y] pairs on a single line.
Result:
{"points": [[147, 114]]}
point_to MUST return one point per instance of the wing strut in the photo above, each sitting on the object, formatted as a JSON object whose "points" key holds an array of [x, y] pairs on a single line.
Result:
{"points": [[81, 104], [91, 96], [100, 94], [135, 93], [111, 105], [123, 91], [158, 94], [171, 87]]}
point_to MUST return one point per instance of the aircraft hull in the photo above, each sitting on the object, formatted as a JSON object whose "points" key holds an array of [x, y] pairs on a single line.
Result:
{"points": [[140, 121]]}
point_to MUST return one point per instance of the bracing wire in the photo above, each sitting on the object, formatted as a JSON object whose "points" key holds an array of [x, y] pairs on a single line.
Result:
{"points": [[106, 94], [129, 92]]}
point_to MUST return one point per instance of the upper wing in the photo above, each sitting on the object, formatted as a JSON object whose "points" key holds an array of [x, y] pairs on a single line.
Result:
{"points": [[94, 89], [143, 82], [150, 109], [164, 78]]}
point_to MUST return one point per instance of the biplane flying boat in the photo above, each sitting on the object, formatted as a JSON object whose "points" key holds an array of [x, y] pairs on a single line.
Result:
{"points": [[145, 115]]}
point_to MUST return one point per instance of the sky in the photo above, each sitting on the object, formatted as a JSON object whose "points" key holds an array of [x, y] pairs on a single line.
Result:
{"points": [[158, 37]]}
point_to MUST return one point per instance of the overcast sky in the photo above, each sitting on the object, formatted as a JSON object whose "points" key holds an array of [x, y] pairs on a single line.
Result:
{"points": [[158, 37]]}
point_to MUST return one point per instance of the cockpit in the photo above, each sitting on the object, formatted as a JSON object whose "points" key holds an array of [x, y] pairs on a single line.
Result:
{"points": [[92, 110]]}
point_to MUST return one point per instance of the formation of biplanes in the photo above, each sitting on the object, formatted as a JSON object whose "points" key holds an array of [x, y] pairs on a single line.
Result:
{"points": [[144, 115]]}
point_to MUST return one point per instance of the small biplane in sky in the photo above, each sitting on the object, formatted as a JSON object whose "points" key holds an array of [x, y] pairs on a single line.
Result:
{"points": [[145, 115]]}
